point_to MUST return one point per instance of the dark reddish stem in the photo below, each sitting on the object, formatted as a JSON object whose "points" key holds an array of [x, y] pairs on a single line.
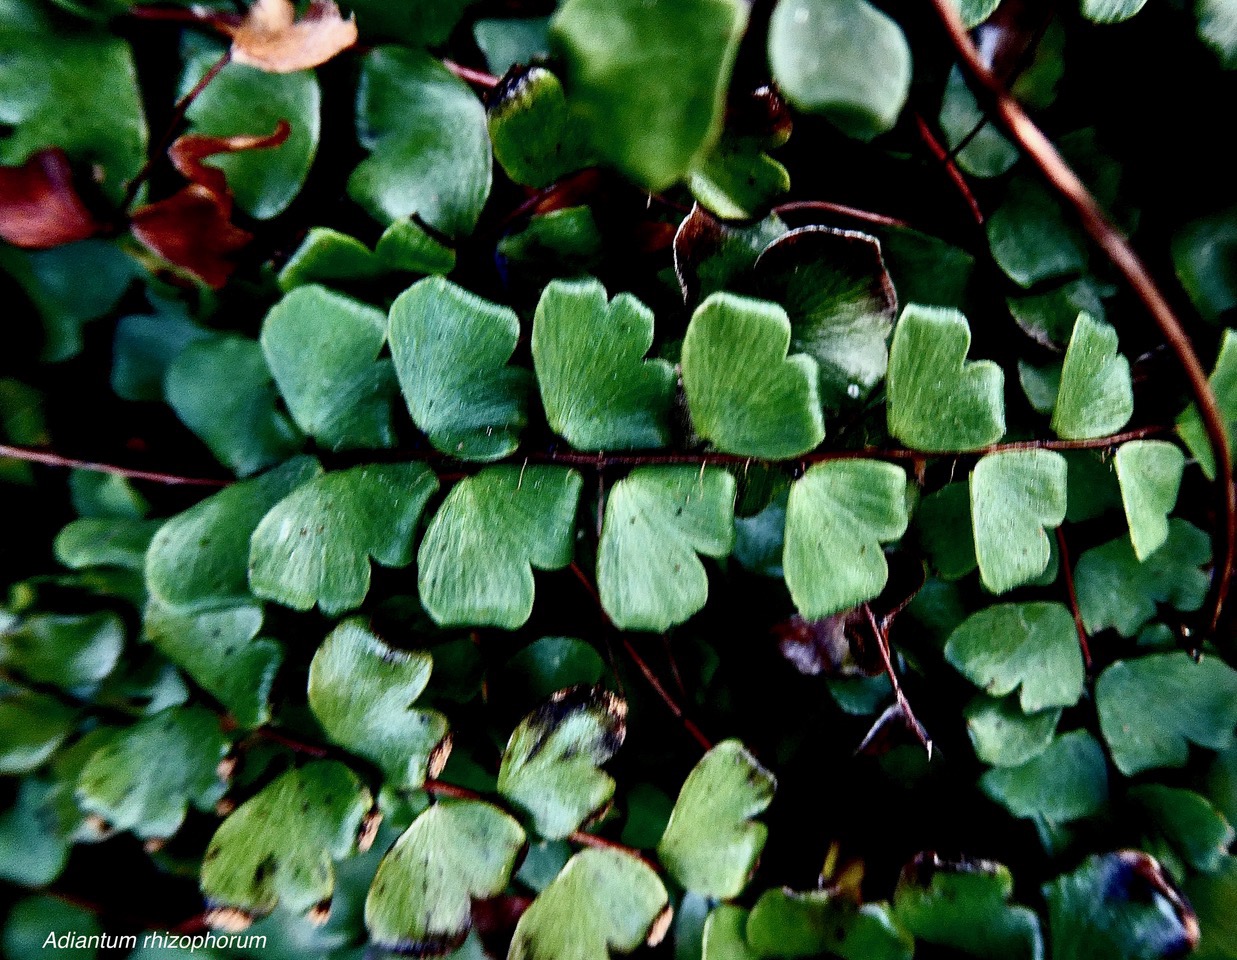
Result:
{"points": [[1083, 643], [214, 20], [646, 671], [580, 838], [48, 459], [943, 157], [1104, 232], [178, 116], [882, 644], [440, 789], [854, 213], [478, 78]]}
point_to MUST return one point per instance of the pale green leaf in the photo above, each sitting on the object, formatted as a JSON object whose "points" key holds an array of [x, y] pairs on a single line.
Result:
{"points": [[652, 132], [421, 899], [475, 563], [711, 846], [786, 923], [1110, 11], [657, 519], [838, 515], [1096, 396], [551, 766], [844, 59], [1150, 474], [939, 401], [603, 901], [315, 545], [1003, 735], [363, 693], [32, 726], [1015, 496], [725, 934], [744, 393], [278, 847], [598, 390], [451, 351], [1223, 382]]}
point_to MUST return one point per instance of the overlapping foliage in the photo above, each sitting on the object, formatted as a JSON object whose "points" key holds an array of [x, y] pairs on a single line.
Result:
{"points": [[522, 439]]}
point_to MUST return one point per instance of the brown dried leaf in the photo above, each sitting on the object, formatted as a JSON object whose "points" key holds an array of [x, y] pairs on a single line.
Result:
{"points": [[272, 39], [193, 228], [39, 205]]}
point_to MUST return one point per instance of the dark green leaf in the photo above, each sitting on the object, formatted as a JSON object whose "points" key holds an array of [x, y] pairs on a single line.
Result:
{"points": [[1204, 250], [1223, 383], [554, 663], [1031, 646], [430, 152], [323, 350], [64, 650], [32, 726], [536, 140], [1188, 823], [1003, 735], [1153, 707], [784, 923], [1065, 782], [1031, 237]]}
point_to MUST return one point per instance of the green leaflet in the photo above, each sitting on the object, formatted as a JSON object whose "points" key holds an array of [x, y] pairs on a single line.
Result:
{"points": [[1067, 781], [1213, 897], [1223, 383], [841, 304], [277, 847], [843, 59], [943, 520], [656, 520], [598, 390], [786, 923], [362, 692], [1096, 396], [745, 394], [965, 907], [738, 179], [475, 563], [552, 663], [508, 42], [710, 256], [938, 401], [1031, 646], [652, 132], [430, 151], [1116, 590], [1003, 735], [45, 102], [1014, 497], [242, 100], [603, 900], [421, 898], [725, 934], [29, 922], [550, 768], [200, 558], [536, 141], [328, 256], [1153, 707], [711, 845], [451, 350], [71, 652], [1150, 474], [145, 777], [144, 347], [1203, 249], [222, 390], [1118, 906], [838, 515], [416, 23], [33, 845], [323, 350], [1186, 824], [222, 651], [105, 542], [1110, 11], [1031, 238], [981, 149], [32, 726], [315, 545]]}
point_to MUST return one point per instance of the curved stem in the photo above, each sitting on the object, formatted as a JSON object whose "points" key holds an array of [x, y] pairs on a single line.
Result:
{"points": [[1114, 244], [841, 210], [49, 459]]}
